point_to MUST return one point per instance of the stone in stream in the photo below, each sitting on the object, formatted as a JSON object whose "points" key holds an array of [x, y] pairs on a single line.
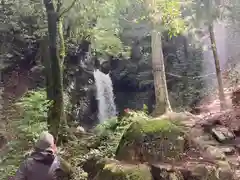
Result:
{"points": [[222, 134]]}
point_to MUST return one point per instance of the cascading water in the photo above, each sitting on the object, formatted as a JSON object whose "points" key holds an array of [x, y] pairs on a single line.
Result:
{"points": [[105, 96]]}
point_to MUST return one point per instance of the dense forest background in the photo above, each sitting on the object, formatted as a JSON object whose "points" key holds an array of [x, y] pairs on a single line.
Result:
{"points": [[50, 49]]}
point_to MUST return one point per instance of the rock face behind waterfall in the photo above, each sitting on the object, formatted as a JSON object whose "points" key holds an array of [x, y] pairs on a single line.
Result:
{"points": [[82, 92]]}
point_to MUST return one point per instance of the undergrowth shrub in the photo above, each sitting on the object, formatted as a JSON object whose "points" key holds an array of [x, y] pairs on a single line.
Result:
{"points": [[108, 134], [34, 119], [102, 142], [27, 128]]}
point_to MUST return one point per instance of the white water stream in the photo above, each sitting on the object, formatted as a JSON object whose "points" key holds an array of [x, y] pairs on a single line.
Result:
{"points": [[105, 96]]}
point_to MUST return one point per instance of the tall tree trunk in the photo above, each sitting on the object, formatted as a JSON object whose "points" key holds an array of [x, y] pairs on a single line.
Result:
{"points": [[160, 84], [217, 66], [62, 49], [57, 114], [45, 58]]}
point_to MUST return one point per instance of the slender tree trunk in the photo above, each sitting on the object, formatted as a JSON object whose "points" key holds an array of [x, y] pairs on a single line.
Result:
{"points": [[62, 49], [44, 50], [217, 66], [160, 84], [57, 114]]}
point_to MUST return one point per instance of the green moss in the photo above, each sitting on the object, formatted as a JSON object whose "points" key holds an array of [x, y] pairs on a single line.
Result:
{"points": [[117, 171], [152, 140], [151, 127], [154, 126]]}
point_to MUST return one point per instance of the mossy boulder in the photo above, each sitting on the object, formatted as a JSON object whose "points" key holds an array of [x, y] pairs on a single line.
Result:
{"points": [[151, 141], [119, 171]]}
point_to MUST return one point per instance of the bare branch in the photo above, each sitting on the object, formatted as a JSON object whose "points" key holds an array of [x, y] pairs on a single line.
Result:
{"points": [[68, 9], [59, 5]]}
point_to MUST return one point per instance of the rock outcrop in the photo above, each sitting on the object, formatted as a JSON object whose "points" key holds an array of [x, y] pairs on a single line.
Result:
{"points": [[151, 141], [171, 147]]}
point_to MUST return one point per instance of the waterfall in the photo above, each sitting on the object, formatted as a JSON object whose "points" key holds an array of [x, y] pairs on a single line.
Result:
{"points": [[105, 96]]}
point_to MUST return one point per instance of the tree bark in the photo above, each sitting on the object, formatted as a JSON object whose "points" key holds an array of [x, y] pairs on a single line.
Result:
{"points": [[44, 51], [62, 49], [160, 84], [56, 111], [217, 66]]}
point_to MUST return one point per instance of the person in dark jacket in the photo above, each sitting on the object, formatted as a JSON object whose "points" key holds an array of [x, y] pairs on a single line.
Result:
{"points": [[42, 164]]}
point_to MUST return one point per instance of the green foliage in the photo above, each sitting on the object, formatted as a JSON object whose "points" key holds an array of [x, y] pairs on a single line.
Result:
{"points": [[200, 14], [26, 130], [109, 134], [101, 143], [97, 22], [34, 120], [172, 18], [145, 108]]}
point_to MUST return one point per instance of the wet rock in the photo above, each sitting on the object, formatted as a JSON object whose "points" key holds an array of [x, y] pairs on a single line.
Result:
{"points": [[222, 134]]}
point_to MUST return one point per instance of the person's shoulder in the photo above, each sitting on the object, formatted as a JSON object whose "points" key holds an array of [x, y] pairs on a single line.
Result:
{"points": [[28, 163]]}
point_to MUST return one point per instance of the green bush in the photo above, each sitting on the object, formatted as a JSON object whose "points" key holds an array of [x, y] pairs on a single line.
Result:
{"points": [[34, 121], [108, 135], [27, 127]]}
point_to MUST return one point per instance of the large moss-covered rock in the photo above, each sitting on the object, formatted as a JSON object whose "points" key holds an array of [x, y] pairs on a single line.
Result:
{"points": [[120, 171], [151, 141]]}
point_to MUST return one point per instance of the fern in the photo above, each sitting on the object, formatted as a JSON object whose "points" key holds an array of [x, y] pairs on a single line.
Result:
{"points": [[27, 127]]}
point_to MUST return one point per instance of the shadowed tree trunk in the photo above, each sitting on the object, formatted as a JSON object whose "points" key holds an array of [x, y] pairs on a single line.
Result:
{"points": [[44, 50], [217, 66], [56, 114]]}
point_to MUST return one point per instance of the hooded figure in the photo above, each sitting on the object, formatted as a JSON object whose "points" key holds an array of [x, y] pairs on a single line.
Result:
{"points": [[43, 163]]}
